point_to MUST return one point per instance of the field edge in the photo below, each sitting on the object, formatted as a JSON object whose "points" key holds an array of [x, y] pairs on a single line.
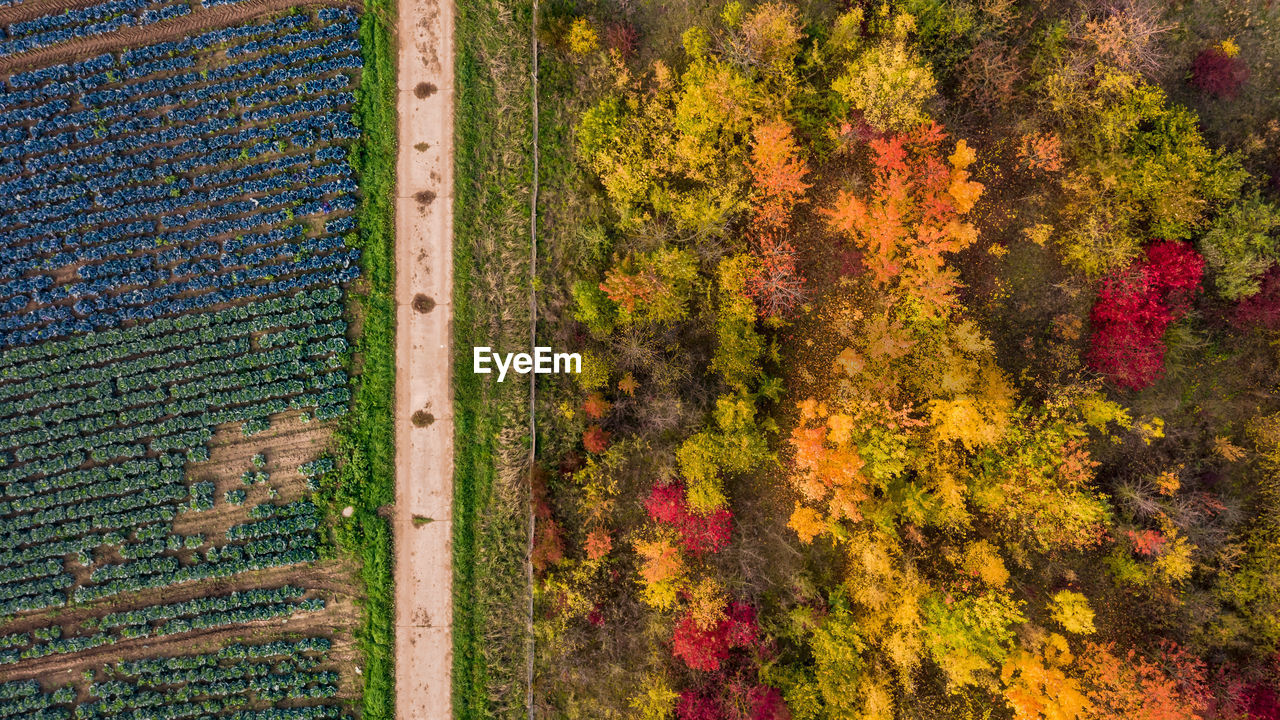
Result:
{"points": [[366, 442]]}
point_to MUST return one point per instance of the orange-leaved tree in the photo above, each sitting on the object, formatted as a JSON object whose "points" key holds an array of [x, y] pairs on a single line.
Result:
{"points": [[777, 171], [1171, 686], [663, 572], [1037, 684], [913, 215], [652, 287], [828, 473]]}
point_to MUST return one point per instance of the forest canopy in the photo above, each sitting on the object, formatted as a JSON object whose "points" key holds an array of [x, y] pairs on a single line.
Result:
{"points": [[931, 364]]}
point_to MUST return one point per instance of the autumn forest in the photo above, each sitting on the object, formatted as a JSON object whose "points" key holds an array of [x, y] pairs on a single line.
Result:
{"points": [[931, 361]]}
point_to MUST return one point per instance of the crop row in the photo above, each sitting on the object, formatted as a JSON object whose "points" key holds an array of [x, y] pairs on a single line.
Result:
{"points": [[26, 700], [112, 345], [237, 608], [283, 672], [91, 21], [202, 607], [226, 566]]}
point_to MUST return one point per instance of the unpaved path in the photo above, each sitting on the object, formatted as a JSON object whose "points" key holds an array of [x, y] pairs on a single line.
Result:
{"points": [[424, 399]]}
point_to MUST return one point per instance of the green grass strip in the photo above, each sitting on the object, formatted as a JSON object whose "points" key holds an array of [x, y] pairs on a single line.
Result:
{"points": [[493, 174], [365, 478]]}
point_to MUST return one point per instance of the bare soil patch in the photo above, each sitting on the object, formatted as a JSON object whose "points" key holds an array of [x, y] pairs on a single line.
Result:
{"points": [[289, 442]]}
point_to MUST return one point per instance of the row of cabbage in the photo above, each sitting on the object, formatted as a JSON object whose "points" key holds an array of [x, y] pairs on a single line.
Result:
{"points": [[92, 21], [99, 194], [154, 621], [28, 701], [284, 678], [175, 232]]}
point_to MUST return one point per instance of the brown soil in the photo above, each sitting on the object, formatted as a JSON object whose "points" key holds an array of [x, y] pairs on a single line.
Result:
{"points": [[424, 440], [288, 444]]}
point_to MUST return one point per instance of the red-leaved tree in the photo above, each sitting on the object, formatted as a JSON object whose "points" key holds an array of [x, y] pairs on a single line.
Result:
{"points": [[699, 649], [1260, 702], [705, 650], [1148, 543], [775, 284], [699, 534], [766, 703], [1219, 74], [595, 439], [548, 543], [1135, 307], [694, 705], [1175, 269], [1263, 308]]}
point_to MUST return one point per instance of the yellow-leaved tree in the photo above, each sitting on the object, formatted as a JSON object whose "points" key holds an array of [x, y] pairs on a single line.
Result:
{"points": [[679, 146], [1037, 684]]}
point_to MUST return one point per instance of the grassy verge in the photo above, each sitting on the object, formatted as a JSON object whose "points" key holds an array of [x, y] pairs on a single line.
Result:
{"points": [[493, 159], [365, 478]]}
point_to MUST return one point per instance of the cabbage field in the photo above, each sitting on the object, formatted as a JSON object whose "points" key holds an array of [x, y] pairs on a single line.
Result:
{"points": [[178, 227]]}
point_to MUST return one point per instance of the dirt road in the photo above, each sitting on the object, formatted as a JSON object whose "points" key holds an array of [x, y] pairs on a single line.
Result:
{"points": [[424, 399]]}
